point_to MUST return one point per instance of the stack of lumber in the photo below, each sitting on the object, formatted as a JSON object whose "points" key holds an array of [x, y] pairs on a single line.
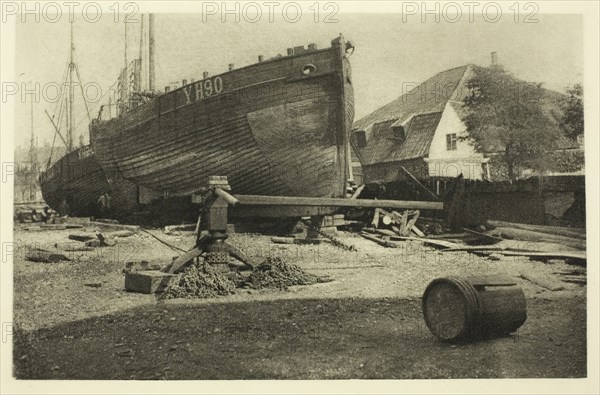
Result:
{"points": [[388, 238], [572, 237], [537, 242], [576, 276]]}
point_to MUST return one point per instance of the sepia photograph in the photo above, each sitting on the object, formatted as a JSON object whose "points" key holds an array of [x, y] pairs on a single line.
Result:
{"points": [[362, 197]]}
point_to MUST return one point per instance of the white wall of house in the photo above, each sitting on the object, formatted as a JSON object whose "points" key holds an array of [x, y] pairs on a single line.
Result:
{"points": [[462, 158]]}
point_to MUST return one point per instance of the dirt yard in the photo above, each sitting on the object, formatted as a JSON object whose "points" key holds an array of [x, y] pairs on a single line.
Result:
{"points": [[73, 320]]}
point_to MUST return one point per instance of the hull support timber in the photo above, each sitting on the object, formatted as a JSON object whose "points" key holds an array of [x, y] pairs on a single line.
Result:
{"points": [[213, 245]]}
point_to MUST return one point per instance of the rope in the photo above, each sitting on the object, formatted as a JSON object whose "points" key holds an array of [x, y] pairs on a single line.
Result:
{"points": [[87, 109], [56, 107], [174, 248]]}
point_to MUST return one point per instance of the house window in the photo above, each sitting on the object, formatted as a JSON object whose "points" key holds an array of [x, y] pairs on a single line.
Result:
{"points": [[451, 142]]}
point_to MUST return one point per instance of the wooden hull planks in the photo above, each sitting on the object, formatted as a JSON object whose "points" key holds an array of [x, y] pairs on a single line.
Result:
{"points": [[76, 178], [270, 128]]}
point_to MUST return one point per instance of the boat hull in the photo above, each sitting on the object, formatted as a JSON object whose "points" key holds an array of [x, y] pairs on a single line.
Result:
{"points": [[79, 180], [271, 128], [76, 179]]}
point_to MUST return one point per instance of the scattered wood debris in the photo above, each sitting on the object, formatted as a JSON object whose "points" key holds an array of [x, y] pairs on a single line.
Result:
{"points": [[100, 241], [380, 241], [294, 240], [44, 256], [120, 233], [56, 226], [109, 226], [530, 235], [544, 282], [392, 236], [580, 255], [72, 247], [493, 239], [81, 237], [578, 233]]}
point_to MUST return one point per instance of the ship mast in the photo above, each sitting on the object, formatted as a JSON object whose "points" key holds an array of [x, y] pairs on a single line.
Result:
{"points": [[71, 96], [31, 180], [32, 145], [151, 53], [67, 101], [125, 96], [140, 78], [32, 161]]}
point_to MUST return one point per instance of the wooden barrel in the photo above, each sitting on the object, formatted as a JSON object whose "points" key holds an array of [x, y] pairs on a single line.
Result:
{"points": [[458, 309]]}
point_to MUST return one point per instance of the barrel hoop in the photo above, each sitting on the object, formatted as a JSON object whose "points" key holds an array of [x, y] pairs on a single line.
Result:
{"points": [[473, 303]]}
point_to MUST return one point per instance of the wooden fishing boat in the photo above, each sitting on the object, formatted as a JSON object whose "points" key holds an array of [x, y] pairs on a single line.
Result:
{"points": [[74, 183], [277, 127], [77, 180]]}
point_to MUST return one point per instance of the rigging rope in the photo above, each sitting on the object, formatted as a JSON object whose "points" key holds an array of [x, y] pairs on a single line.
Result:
{"points": [[82, 92], [59, 103], [174, 248]]}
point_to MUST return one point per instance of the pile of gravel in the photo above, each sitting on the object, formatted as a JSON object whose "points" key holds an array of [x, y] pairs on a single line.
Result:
{"points": [[275, 272], [199, 280]]}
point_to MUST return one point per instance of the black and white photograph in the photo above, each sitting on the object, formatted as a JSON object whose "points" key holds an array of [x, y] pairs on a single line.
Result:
{"points": [[299, 197]]}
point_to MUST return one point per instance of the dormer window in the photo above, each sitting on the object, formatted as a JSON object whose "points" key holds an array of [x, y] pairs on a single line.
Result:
{"points": [[360, 137], [399, 132]]}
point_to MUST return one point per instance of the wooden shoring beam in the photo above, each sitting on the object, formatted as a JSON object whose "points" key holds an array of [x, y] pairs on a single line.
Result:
{"points": [[336, 202]]}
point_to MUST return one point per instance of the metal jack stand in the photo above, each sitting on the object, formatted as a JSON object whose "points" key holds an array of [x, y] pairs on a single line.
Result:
{"points": [[213, 244]]}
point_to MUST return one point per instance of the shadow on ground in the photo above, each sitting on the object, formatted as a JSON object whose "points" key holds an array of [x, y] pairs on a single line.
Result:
{"points": [[297, 339]]}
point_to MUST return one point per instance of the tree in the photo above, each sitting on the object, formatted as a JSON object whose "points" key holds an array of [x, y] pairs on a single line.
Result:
{"points": [[573, 111], [505, 116]]}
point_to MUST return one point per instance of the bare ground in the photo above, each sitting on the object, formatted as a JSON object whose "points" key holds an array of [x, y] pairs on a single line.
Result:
{"points": [[367, 323]]}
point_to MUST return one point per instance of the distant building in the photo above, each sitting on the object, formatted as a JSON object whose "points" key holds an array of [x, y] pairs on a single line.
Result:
{"points": [[423, 131]]}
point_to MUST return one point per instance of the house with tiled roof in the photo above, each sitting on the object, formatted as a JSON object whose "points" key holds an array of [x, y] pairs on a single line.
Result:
{"points": [[423, 131]]}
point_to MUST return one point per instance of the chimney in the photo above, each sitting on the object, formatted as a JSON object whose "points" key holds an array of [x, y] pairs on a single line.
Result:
{"points": [[204, 75], [260, 58], [494, 58], [183, 82], [231, 66]]}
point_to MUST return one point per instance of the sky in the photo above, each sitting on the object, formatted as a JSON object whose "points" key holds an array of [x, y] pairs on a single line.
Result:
{"points": [[390, 53]]}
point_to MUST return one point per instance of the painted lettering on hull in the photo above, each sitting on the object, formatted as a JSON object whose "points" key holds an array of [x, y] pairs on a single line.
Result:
{"points": [[202, 89], [85, 152]]}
